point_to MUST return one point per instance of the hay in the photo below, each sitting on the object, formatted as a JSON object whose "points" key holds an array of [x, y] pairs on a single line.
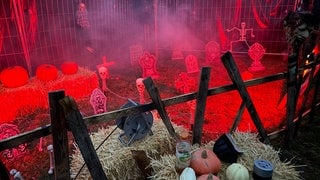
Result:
{"points": [[22, 101], [253, 149], [116, 158]]}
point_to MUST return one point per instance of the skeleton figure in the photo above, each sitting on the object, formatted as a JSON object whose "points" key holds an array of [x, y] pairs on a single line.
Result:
{"points": [[104, 75], [242, 32], [50, 151], [140, 88]]}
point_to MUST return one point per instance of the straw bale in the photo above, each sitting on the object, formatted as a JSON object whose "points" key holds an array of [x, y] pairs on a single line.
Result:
{"points": [[116, 159], [253, 149], [21, 101]]}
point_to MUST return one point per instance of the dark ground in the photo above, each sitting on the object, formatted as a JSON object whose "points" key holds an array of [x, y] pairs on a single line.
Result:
{"points": [[304, 151]]}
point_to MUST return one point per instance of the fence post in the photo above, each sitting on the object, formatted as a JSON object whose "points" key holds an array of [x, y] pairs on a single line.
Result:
{"points": [[59, 136], [201, 105], [235, 76], [291, 98], [315, 97], [83, 140], [154, 94]]}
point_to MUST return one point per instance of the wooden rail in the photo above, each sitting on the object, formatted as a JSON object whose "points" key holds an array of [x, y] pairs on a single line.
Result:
{"points": [[46, 130]]}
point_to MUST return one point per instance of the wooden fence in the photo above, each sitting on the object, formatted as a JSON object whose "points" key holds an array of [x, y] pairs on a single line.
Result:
{"points": [[65, 115]]}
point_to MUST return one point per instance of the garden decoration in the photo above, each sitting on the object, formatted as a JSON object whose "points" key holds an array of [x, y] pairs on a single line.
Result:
{"points": [[135, 127], [243, 33], [205, 161], [135, 54], [212, 52], [148, 65], [226, 149], [47, 72], [141, 90], [16, 174], [104, 72], [208, 177], [262, 169], [69, 67], [188, 174], [177, 52], [192, 64], [256, 52], [51, 159], [237, 171], [6, 131], [13, 77], [98, 101]]}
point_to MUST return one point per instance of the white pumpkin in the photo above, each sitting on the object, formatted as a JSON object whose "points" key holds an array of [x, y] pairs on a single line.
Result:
{"points": [[188, 174], [237, 171]]}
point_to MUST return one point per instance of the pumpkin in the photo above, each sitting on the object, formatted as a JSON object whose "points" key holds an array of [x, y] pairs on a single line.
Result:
{"points": [[205, 161], [237, 171], [47, 72], [208, 177], [69, 67], [14, 76], [188, 174]]}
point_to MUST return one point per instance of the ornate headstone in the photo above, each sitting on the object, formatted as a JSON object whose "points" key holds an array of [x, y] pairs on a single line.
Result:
{"points": [[177, 52], [98, 101], [192, 64], [6, 131], [148, 65], [135, 54], [212, 52], [184, 83], [256, 52]]}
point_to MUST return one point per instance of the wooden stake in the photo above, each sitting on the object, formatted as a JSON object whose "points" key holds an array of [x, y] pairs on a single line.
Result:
{"points": [[201, 105], [235, 76]]}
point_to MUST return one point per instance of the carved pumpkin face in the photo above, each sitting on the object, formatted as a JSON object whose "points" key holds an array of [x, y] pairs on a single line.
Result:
{"points": [[204, 161]]}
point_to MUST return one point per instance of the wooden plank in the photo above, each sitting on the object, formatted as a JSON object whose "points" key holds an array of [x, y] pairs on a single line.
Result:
{"points": [[236, 78], [4, 173], [82, 138], [315, 97], [291, 99], [25, 137], [238, 117], [155, 96], [201, 105], [59, 136], [304, 100]]}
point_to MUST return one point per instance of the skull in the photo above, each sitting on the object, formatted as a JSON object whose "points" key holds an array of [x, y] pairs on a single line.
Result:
{"points": [[140, 85], [103, 73]]}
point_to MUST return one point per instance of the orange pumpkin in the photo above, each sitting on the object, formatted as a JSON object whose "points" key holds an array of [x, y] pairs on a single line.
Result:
{"points": [[47, 72], [69, 67], [205, 161], [15, 76], [208, 177]]}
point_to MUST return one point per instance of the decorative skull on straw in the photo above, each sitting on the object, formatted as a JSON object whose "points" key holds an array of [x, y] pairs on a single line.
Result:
{"points": [[140, 87]]}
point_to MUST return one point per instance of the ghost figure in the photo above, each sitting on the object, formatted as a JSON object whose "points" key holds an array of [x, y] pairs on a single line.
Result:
{"points": [[140, 87], [104, 75]]}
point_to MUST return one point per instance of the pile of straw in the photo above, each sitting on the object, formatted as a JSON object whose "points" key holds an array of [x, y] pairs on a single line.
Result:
{"points": [[253, 149], [21, 101], [117, 160]]}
